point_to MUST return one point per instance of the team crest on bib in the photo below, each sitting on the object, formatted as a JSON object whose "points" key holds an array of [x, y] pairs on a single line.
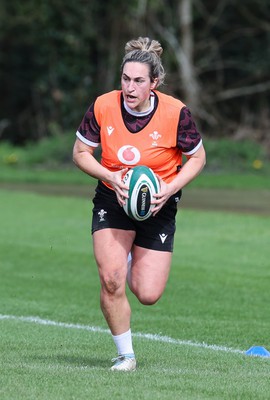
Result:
{"points": [[155, 136], [129, 155]]}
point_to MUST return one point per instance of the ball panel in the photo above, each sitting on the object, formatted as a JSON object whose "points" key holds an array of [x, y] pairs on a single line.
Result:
{"points": [[126, 180], [141, 199], [142, 183], [148, 172]]}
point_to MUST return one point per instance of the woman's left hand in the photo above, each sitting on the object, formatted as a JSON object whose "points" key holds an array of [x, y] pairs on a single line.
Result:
{"points": [[161, 198]]}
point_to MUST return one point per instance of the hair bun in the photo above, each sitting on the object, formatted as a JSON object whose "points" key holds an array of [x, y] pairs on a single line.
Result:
{"points": [[144, 44], [146, 51]]}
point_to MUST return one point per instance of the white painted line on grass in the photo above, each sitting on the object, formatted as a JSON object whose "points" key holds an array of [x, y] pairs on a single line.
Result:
{"points": [[148, 336]]}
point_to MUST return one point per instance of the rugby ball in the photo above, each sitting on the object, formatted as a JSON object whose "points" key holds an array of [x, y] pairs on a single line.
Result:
{"points": [[143, 184]]}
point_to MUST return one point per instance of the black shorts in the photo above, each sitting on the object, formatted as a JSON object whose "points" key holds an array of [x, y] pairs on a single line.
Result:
{"points": [[156, 233]]}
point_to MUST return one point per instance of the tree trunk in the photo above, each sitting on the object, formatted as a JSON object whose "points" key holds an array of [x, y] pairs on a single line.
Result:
{"points": [[188, 74]]}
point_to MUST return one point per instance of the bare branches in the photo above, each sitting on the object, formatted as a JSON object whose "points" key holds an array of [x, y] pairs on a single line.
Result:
{"points": [[243, 91], [182, 48], [261, 22]]}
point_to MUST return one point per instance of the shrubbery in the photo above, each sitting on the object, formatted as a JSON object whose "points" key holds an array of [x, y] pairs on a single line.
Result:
{"points": [[223, 155]]}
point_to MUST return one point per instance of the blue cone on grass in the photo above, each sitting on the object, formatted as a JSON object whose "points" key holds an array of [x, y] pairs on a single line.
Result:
{"points": [[258, 351]]}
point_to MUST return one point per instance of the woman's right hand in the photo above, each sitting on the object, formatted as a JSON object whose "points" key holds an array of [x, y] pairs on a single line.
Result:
{"points": [[116, 181]]}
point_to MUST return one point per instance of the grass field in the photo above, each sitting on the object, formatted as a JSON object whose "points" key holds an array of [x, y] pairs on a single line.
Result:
{"points": [[191, 345], [72, 175]]}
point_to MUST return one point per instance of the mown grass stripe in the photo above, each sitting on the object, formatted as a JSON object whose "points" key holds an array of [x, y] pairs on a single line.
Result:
{"points": [[148, 336]]}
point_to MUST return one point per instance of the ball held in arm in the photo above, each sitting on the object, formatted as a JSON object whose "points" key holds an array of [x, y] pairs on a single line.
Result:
{"points": [[143, 184]]}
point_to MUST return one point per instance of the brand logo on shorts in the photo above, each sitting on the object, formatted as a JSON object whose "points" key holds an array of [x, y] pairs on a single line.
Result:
{"points": [[102, 214], [163, 237]]}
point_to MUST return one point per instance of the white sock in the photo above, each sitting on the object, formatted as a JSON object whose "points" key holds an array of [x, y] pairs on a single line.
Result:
{"points": [[129, 259], [123, 343]]}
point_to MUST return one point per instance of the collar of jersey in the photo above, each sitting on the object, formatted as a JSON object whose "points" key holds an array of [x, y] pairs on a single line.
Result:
{"points": [[142, 113]]}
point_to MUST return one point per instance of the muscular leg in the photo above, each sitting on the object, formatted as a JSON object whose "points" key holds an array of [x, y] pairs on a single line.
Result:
{"points": [[149, 274], [111, 247]]}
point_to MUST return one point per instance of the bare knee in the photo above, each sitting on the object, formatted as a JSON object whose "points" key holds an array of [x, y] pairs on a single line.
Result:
{"points": [[146, 298], [110, 286], [112, 283], [146, 294]]}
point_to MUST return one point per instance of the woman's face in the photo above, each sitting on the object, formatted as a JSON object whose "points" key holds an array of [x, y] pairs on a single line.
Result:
{"points": [[136, 86]]}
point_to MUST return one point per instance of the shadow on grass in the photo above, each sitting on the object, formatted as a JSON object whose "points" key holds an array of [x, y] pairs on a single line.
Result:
{"points": [[75, 361]]}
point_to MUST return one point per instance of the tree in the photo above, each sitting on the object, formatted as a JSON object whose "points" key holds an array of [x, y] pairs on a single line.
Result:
{"points": [[42, 76], [58, 56], [216, 54], [181, 42]]}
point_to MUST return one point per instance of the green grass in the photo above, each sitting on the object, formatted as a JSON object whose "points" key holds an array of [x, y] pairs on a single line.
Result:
{"points": [[56, 176], [232, 180], [72, 175], [217, 294]]}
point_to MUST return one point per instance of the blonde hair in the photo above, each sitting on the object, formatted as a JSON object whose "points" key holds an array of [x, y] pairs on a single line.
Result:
{"points": [[146, 51]]}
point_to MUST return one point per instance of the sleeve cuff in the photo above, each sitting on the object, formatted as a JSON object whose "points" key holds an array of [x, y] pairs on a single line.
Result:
{"points": [[86, 141], [189, 153]]}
